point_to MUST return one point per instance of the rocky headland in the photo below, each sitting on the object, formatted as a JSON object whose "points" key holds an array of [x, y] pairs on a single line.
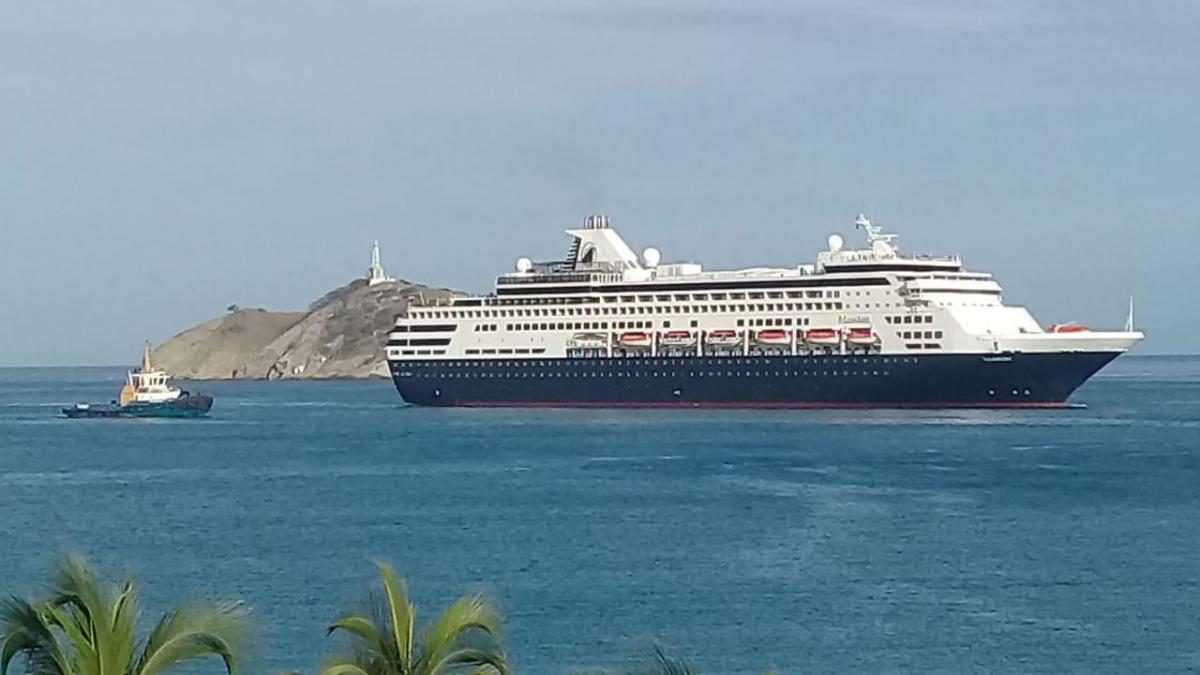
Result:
{"points": [[341, 335]]}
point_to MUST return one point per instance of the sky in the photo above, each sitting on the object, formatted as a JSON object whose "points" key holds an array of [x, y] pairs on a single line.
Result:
{"points": [[162, 160]]}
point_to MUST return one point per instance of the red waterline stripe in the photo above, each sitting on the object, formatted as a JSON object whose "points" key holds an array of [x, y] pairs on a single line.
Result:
{"points": [[790, 405]]}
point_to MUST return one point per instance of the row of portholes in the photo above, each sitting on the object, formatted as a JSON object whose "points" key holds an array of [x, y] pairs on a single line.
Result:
{"points": [[633, 375], [1014, 392], [689, 361]]}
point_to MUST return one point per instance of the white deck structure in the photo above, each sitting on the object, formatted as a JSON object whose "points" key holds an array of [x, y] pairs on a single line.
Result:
{"points": [[598, 299]]}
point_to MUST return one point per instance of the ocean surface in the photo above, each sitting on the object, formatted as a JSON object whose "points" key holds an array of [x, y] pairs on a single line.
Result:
{"points": [[806, 541]]}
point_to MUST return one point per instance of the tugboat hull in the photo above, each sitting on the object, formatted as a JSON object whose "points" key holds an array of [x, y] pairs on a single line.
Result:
{"points": [[192, 405]]}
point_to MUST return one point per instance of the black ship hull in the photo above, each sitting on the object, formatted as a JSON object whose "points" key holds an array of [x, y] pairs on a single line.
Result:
{"points": [[1020, 380], [189, 405]]}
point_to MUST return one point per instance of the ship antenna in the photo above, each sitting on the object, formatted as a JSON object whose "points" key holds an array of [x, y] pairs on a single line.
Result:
{"points": [[146, 358]]}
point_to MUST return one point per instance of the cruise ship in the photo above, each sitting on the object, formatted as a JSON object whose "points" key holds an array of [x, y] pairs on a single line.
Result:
{"points": [[861, 327]]}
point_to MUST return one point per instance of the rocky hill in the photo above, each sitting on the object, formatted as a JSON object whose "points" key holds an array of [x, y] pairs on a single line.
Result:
{"points": [[340, 336]]}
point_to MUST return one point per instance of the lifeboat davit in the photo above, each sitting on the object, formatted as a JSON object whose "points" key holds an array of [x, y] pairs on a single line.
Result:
{"points": [[862, 337], [774, 338], [1067, 328], [638, 340], [677, 338], [722, 338], [822, 337]]}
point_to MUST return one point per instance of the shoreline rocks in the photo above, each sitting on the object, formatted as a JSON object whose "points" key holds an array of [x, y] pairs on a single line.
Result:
{"points": [[340, 336]]}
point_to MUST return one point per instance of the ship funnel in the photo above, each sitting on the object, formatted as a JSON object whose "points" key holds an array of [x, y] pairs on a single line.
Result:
{"points": [[596, 222]]}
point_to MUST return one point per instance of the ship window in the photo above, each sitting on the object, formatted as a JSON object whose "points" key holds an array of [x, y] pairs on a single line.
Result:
{"points": [[666, 324], [937, 334]]}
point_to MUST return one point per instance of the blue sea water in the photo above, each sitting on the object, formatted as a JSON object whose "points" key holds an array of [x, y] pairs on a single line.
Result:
{"points": [[805, 541]]}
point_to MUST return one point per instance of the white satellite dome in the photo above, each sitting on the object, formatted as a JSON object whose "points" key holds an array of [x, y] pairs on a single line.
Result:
{"points": [[836, 243], [651, 256], [524, 265]]}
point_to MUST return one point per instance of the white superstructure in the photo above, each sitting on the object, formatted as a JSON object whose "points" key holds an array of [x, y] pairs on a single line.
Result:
{"points": [[148, 384], [605, 300]]}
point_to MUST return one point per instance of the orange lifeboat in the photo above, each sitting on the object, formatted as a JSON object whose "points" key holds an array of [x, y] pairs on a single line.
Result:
{"points": [[822, 337], [1067, 328], [861, 337], [637, 340], [773, 338]]}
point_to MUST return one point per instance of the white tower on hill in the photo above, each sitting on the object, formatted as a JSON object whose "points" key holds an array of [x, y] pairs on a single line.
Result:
{"points": [[375, 274]]}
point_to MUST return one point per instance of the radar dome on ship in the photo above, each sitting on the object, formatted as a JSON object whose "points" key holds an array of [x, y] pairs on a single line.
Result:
{"points": [[651, 256], [835, 243], [524, 265]]}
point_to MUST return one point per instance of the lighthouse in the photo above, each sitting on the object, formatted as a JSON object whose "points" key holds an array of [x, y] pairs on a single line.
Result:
{"points": [[376, 275]]}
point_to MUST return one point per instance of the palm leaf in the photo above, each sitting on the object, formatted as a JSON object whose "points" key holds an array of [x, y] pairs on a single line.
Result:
{"points": [[403, 616], [666, 664], [25, 632], [346, 666], [193, 631], [122, 621], [360, 626], [441, 648], [465, 636], [88, 628], [484, 661]]}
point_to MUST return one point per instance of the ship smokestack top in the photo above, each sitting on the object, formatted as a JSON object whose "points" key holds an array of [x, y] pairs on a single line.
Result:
{"points": [[596, 222]]}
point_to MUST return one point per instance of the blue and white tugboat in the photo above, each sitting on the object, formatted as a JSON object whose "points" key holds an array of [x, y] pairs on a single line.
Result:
{"points": [[147, 393]]}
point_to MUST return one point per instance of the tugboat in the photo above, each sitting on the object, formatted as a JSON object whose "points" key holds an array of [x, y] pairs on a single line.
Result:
{"points": [[147, 393]]}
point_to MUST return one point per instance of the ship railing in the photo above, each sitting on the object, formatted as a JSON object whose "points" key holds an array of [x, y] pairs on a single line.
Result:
{"points": [[757, 273], [871, 256], [516, 278]]}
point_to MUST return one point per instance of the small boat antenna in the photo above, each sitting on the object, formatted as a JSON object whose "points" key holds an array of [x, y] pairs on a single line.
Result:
{"points": [[1129, 317]]}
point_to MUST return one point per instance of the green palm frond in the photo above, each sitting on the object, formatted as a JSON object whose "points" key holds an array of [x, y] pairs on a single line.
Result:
{"points": [[403, 616], [89, 628], [660, 662], [441, 648], [192, 631], [666, 664], [464, 639], [345, 666], [24, 631]]}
